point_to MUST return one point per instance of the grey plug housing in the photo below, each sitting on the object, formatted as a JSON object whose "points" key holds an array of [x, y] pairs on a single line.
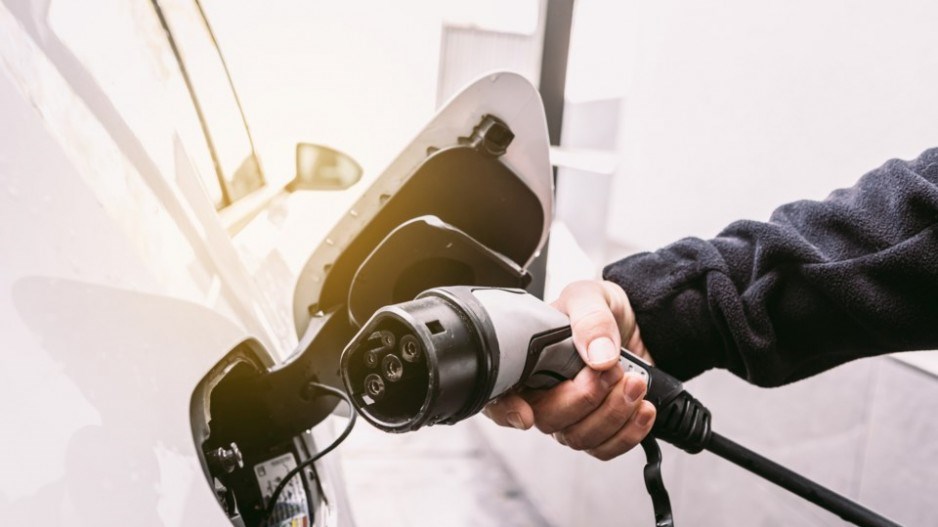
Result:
{"points": [[458, 348]]}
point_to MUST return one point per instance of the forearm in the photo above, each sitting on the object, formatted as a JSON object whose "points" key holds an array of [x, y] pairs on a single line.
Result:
{"points": [[820, 284]]}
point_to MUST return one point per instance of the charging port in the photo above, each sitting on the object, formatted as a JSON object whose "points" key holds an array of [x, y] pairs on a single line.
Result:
{"points": [[244, 464]]}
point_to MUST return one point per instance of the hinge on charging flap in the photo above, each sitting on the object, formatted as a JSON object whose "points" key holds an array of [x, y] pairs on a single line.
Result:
{"points": [[490, 137]]}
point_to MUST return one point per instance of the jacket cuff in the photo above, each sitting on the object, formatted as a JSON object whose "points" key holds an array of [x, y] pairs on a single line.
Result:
{"points": [[667, 291]]}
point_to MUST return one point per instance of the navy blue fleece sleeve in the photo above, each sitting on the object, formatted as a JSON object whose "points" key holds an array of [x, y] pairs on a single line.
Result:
{"points": [[818, 285]]}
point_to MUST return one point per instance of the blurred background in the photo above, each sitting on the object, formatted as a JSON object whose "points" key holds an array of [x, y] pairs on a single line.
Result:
{"points": [[669, 119]]}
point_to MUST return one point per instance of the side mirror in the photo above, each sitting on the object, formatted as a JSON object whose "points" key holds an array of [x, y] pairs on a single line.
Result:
{"points": [[322, 168]]}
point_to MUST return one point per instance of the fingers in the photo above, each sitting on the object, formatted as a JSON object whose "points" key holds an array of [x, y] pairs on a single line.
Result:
{"points": [[592, 412], [571, 401], [628, 436], [510, 410], [599, 316], [603, 423], [567, 403], [601, 410]]}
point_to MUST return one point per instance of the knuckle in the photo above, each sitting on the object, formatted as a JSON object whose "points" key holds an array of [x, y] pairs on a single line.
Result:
{"points": [[652, 413], [576, 286], [631, 436], [546, 417], [624, 441], [544, 424], [593, 321], [574, 440], [591, 394], [535, 398], [620, 412], [570, 291]]}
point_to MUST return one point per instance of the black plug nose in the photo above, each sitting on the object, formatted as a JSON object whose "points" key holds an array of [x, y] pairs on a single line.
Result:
{"points": [[414, 364]]}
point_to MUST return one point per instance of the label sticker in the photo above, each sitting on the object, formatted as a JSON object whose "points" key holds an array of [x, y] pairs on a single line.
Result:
{"points": [[291, 509], [271, 472]]}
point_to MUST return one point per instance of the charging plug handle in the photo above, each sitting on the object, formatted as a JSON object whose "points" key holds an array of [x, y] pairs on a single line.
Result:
{"points": [[682, 420]]}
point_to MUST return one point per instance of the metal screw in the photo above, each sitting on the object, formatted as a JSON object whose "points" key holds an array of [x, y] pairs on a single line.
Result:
{"points": [[225, 460]]}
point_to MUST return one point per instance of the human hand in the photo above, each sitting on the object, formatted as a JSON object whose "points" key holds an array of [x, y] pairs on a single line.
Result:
{"points": [[601, 410]]}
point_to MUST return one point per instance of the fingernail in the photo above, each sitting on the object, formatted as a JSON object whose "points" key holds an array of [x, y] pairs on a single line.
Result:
{"points": [[642, 419], [634, 388], [514, 419], [601, 351]]}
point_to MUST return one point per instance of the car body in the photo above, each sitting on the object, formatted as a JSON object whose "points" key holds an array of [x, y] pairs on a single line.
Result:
{"points": [[139, 260]]}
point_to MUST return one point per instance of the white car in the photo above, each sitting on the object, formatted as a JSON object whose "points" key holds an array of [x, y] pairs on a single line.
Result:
{"points": [[165, 309]]}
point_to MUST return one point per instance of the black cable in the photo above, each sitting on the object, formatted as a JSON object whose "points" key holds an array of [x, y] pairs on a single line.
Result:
{"points": [[766, 468], [654, 483], [345, 433], [685, 423]]}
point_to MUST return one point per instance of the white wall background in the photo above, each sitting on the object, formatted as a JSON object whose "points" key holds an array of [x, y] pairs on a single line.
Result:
{"points": [[732, 108]]}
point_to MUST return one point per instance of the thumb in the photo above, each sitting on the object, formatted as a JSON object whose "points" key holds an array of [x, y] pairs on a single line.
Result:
{"points": [[595, 331], [601, 353]]}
